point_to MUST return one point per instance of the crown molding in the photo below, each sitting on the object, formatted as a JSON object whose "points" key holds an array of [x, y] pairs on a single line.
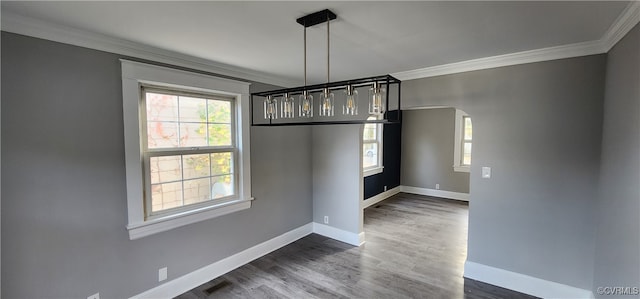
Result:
{"points": [[19, 24], [629, 17], [11, 22], [545, 54]]}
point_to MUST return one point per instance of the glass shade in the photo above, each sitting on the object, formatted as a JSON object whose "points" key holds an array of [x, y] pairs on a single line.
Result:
{"points": [[326, 103], [377, 100], [305, 106], [270, 108], [350, 106], [287, 106]]}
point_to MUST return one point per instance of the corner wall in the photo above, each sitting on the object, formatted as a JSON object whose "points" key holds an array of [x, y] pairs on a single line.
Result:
{"points": [[337, 194], [617, 258], [64, 208], [538, 126], [391, 154], [427, 151]]}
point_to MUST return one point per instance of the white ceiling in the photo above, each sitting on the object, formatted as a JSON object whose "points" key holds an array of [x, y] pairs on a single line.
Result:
{"points": [[368, 38]]}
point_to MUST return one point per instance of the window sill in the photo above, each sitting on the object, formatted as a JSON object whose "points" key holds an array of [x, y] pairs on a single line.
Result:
{"points": [[461, 168], [372, 171], [150, 227]]}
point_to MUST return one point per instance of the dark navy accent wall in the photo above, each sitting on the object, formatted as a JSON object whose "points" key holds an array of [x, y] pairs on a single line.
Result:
{"points": [[390, 176]]}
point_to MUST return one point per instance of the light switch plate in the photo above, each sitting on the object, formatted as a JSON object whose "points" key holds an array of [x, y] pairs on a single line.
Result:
{"points": [[486, 172]]}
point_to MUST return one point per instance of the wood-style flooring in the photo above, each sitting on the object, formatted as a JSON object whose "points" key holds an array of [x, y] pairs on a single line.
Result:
{"points": [[415, 248]]}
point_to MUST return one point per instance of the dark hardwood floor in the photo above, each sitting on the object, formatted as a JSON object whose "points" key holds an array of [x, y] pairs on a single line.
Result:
{"points": [[415, 248]]}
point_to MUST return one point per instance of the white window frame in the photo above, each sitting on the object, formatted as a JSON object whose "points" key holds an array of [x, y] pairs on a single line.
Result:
{"points": [[369, 171], [458, 142], [136, 74]]}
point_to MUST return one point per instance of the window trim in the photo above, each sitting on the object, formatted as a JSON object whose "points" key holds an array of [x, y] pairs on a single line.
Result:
{"points": [[135, 74], [458, 141], [369, 171]]}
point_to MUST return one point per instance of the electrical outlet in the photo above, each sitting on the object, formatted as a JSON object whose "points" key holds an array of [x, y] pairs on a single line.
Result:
{"points": [[326, 219], [437, 186], [162, 274], [94, 296], [385, 188]]}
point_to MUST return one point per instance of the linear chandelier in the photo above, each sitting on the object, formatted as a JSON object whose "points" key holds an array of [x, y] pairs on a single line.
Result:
{"points": [[279, 106]]}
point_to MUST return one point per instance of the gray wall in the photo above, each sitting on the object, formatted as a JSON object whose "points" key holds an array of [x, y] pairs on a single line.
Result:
{"points": [[617, 261], [539, 127], [337, 194], [428, 138], [64, 211]]}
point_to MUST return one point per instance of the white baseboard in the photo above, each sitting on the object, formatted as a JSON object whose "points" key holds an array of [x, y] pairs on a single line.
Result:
{"points": [[338, 234], [191, 280], [435, 193], [380, 197], [522, 283]]}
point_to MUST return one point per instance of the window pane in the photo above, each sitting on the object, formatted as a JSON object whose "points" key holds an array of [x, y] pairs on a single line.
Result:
{"points": [[165, 169], [197, 190], [196, 166], [466, 156], [166, 196], [221, 163], [467, 128], [192, 109], [222, 186], [162, 134], [186, 121], [219, 111], [161, 107], [369, 155], [193, 134], [219, 135], [370, 132]]}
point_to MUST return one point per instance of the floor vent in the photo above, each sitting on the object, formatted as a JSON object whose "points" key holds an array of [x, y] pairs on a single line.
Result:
{"points": [[216, 287]]}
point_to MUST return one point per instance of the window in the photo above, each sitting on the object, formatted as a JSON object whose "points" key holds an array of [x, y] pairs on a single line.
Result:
{"points": [[463, 142], [188, 150], [372, 148], [186, 147]]}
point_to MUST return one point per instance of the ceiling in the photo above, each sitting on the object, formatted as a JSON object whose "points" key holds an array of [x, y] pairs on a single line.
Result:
{"points": [[367, 38]]}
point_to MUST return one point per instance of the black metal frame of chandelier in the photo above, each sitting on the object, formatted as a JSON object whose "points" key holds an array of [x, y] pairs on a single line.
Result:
{"points": [[385, 79]]}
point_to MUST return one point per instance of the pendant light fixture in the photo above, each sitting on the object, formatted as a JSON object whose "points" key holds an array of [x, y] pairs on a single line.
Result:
{"points": [[306, 99], [378, 99], [350, 106], [270, 108], [287, 106], [327, 97]]}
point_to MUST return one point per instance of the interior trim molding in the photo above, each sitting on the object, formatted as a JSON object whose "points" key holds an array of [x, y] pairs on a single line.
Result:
{"points": [[538, 55], [191, 280], [629, 17], [435, 193], [338, 234], [522, 283], [19, 24], [379, 197], [12, 22]]}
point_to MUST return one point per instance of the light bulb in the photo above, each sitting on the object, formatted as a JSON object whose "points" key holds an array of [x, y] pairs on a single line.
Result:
{"points": [[305, 108], [350, 106], [377, 99], [326, 102], [270, 108], [287, 106]]}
